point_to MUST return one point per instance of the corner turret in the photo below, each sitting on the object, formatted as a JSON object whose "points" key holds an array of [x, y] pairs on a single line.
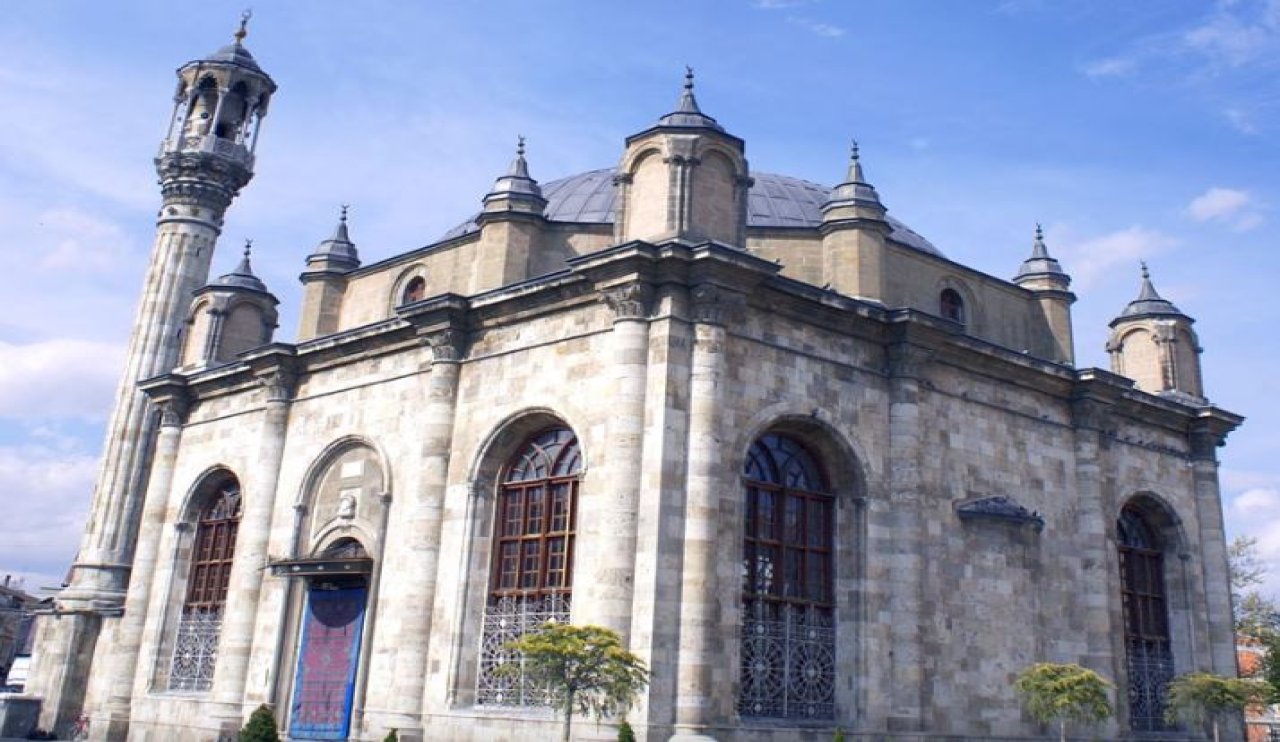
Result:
{"points": [[683, 178], [1042, 275], [1152, 342], [229, 316], [853, 235], [511, 225], [325, 281]]}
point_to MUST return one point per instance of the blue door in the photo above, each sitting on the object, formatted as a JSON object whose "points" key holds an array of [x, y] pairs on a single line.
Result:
{"points": [[327, 661]]}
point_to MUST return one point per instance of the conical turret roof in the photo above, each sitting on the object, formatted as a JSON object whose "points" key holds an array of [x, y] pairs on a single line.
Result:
{"points": [[516, 183], [855, 189], [687, 113], [1149, 302], [235, 52], [242, 277], [338, 250], [1041, 264]]}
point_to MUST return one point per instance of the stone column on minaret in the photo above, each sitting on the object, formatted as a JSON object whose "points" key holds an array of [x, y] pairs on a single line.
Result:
{"points": [[701, 674], [612, 578], [278, 381], [122, 678], [440, 324], [202, 167]]}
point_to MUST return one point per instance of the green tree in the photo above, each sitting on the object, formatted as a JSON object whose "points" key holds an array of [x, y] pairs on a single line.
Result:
{"points": [[1269, 672], [1200, 696], [585, 668], [1255, 615], [625, 732], [1063, 692], [261, 727]]}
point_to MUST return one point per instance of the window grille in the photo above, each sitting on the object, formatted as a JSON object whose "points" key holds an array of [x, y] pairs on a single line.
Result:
{"points": [[531, 566], [1149, 655], [195, 646], [788, 631]]}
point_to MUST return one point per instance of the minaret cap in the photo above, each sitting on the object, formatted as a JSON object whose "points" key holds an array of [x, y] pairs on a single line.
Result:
{"points": [[1041, 264], [235, 52]]}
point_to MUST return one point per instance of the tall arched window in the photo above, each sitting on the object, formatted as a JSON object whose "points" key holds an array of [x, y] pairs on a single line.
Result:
{"points": [[788, 627], [1146, 620], [530, 578], [195, 646], [951, 305]]}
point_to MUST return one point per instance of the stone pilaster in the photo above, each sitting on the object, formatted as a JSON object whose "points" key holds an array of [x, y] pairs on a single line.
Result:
{"points": [[702, 677], [120, 664], [906, 676], [1207, 433], [611, 587], [278, 381], [440, 323]]}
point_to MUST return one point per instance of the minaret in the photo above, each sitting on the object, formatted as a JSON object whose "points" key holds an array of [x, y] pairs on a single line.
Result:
{"points": [[853, 235], [1042, 275], [511, 225], [1152, 343], [204, 161], [683, 178]]}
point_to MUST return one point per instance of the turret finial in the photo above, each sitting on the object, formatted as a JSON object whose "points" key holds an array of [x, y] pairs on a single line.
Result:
{"points": [[853, 150], [688, 77], [1146, 274], [343, 216], [248, 248], [520, 145], [243, 31], [855, 174], [1039, 232]]}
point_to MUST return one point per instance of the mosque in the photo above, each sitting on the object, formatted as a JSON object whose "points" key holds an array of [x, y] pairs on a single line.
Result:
{"points": [[815, 473]]}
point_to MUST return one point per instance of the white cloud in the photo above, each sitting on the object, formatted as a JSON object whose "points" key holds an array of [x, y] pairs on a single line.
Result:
{"points": [[1229, 40], [54, 489], [816, 27], [1240, 121], [1111, 67], [1256, 513], [776, 4], [1091, 258], [1228, 206], [72, 240], [58, 378]]}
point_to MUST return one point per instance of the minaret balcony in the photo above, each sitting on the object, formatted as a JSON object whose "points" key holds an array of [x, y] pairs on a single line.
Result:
{"points": [[220, 146]]}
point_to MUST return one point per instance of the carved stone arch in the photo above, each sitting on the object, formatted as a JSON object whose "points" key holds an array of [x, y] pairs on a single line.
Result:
{"points": [[631, 160], [848, 478], [1160, 514], [330, 452], [972, 318], [340, 492], [502, 441], [202, 485], [401, 286], [336, 532], [709, 148]]}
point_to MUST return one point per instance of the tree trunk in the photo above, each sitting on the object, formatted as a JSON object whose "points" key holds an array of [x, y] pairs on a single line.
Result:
{"points": [[1215, 730], [568, 717], [1062, 730]]}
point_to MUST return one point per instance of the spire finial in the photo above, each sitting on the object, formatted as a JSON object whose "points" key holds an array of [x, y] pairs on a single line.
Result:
{"points": [[855, 174], [248, 248], [688, 77], [343, 216], [520, 145], [243, 31], [1039, 232], [853, 150], [1146, 274]]}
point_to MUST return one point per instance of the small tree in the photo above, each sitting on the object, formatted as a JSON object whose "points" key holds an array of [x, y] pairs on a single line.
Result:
{"points": [[625, 732], [1200, 696], [261, 727], [392, 736], [585, 668], [1063, 692]]}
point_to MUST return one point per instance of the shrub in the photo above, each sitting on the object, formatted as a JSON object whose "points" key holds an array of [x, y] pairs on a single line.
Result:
{"points": [[261, 727]]}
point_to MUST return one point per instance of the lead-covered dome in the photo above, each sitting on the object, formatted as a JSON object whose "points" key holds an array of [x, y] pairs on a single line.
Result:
{"points": [[774, 201]]}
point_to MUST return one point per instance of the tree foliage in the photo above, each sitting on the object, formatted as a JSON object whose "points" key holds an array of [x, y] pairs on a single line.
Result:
{"points": [[261, 727], [1198, 697], [586, 669], [1256, 615], [1063, 692]]}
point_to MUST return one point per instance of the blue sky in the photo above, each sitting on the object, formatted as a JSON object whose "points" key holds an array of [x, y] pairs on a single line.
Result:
{"points": [[1132, 130]]}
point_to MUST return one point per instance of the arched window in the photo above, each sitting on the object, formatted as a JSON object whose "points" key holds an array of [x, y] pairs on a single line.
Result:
{"points": [[788, 628], [1146, 620], [951, 305], [415, 290], [195, 647], [530, 578]]}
